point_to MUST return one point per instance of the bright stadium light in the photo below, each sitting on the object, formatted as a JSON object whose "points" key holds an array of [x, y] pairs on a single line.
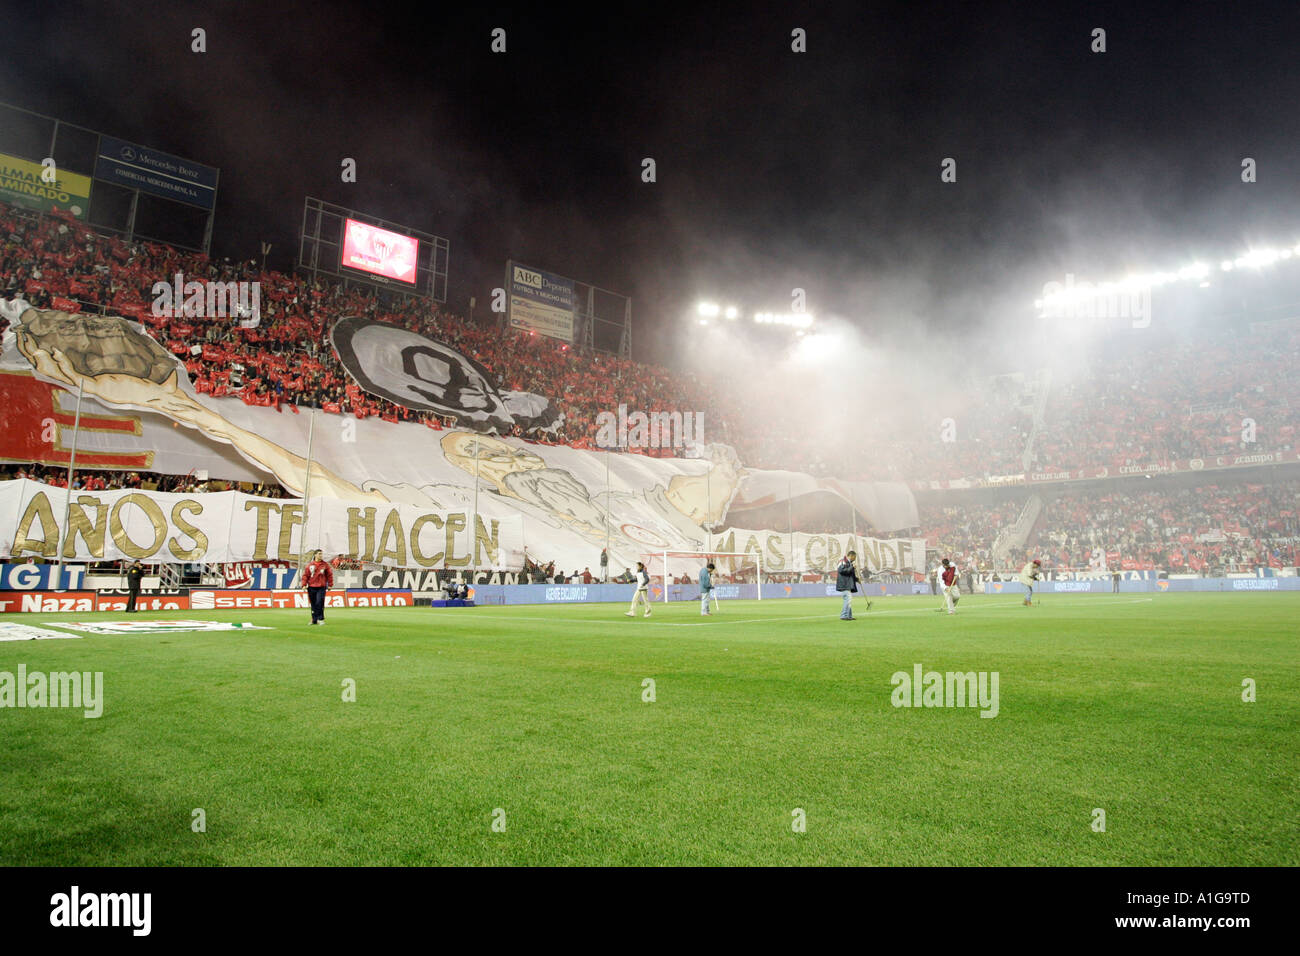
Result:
{"points": [[1075, 293], [817, 348], [794, 320], [708, 309], [732, 312], [1259, 258]]}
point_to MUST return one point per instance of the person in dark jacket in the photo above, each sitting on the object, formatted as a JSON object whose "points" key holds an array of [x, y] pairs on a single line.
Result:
{"points": [[846, 582], [134, 575]]}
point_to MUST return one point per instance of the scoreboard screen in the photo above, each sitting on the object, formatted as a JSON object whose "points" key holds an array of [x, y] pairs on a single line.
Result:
{"points": [[389, 255]]}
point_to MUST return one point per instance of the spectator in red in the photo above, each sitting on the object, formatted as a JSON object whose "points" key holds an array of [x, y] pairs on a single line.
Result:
{"points": [[317, 577]]}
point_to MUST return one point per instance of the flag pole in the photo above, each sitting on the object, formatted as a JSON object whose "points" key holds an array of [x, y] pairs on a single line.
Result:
{"points": [[708, 505], [67, 498], [789, 518], [473, 534], [607, 516], [306, 490]]}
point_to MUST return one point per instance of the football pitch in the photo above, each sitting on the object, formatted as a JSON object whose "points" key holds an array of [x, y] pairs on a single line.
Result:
{"points": [[767, 734]]}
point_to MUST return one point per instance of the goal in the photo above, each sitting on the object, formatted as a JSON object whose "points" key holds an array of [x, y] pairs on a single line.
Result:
{"points": [[676, 574]]}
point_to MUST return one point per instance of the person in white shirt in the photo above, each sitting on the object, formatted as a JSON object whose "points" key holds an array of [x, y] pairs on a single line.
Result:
{"points": [[642, 594], [1030, 573], [948, 585]]}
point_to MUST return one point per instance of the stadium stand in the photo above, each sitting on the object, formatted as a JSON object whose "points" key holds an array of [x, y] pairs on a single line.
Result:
{"points": [[1225, 526], [1170, 398]]}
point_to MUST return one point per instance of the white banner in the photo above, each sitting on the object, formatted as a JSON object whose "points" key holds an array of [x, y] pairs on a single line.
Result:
{"points": [[141, 413], [819, 553], [229, 526]]}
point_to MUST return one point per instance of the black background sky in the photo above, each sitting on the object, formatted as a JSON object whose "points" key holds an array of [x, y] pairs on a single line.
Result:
{"points": [[775, 169]]}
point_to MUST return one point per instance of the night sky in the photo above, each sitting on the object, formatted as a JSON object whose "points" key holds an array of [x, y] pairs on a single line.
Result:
{"points": [[775, 169]]}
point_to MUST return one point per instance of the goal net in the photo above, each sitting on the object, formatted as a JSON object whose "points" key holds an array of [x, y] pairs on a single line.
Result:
{"points": [[675, 575]]}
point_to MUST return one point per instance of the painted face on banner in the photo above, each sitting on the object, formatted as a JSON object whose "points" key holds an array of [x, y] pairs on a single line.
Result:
{"points": [[416, 372]]}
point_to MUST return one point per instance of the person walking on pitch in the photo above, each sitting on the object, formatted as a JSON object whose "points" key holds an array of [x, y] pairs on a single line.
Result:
{"points": [[642, 595], [948, 582], [134, 575], [317, 578], [846, 582], [706, 587], [1030, 573]]}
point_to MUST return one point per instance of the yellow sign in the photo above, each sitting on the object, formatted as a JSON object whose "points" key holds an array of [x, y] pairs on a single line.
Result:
{"points": [[32, 186]]}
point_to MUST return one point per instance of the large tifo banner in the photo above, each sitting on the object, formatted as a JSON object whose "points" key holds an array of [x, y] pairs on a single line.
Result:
{"points": [[229, 526], [30, 185], [541, 302], [139, 412]]}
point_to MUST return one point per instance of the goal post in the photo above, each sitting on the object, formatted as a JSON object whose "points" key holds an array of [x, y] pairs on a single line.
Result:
{"points": [[677, 573]]}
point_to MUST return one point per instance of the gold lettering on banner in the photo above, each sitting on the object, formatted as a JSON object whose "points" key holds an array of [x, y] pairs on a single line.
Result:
{"points": [[888, 556], [904, 554], [775, 556], [290, 518], [263, 509], [118, 530], [79, 523], [356, 525], [834, 550], [48, 543], [492, 542], [190, 531], [393, 528], [869, 551], [455, 523], [809, 561], [420, 558]]}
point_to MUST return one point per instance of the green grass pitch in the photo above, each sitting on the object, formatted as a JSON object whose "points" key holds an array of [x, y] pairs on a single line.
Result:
{"points": [[535, 717]]}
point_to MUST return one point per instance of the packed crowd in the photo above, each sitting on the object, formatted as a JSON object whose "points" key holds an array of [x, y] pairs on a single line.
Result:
{"points": [[93, 480], [1196, 397], [1221, 392], [966, 532], [286, 361], [1206, 529]]}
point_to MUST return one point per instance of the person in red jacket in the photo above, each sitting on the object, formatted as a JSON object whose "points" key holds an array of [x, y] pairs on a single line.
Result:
{"points": [[948, 581], [317, 577]]}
